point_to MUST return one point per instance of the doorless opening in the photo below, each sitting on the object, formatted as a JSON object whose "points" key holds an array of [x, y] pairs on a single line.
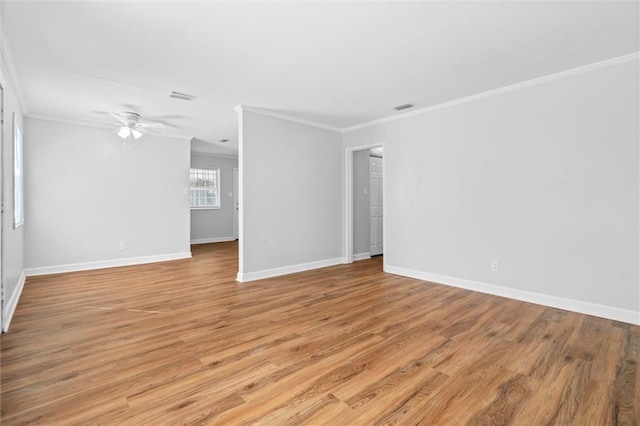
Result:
{"points": [[364, 218]]}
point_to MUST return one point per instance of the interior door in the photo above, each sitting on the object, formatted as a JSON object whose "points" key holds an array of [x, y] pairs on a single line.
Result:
{"points": [[375, 177]]}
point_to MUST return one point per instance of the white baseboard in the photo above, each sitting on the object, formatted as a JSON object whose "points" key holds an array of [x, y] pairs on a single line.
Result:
{"points": [[284, 270], [10, 308], [361, 256], [112, 263], [588, 308], [213, 240]]}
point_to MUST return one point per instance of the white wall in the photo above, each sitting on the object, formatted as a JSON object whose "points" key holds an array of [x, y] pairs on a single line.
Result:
{"points": [[86, 193], [543, 179], [361, 203], [211, 225], [291, 196], [12, 239]]}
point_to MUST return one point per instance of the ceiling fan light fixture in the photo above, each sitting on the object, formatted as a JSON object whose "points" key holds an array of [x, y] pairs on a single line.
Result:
{"points": [[136, 133], [124, 132]]}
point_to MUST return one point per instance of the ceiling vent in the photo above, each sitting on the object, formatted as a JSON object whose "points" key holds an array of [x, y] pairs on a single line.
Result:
{"points": [[403, 107], [183, 96]]}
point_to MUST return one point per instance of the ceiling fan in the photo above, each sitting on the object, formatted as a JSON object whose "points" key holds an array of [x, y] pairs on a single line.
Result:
{"points": [[130, 125]]}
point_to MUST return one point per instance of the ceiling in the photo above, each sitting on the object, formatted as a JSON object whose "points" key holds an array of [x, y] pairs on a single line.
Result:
{"points": [[339, 64]]}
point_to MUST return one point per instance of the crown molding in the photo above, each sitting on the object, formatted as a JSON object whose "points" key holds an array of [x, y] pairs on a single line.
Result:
{"points": [[211, 154], [482, 95], [505, 89], [6, 57], [268, 113], [68, 121]]}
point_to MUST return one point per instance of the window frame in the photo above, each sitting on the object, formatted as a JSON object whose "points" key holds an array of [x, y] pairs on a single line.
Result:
{"points": [[216, 173], [18, 174]]}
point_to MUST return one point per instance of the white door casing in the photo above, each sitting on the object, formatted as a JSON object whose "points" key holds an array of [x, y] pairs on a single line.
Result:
{"points": [[236, 204], [2, 146], [377, 210]]}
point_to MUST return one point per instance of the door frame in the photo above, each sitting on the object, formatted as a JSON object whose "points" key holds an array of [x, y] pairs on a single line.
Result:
{"points": [[236, 203], [2, 155], [348, 202]]}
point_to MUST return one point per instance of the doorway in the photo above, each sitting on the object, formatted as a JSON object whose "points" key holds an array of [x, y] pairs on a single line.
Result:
{"points": [[364, 205]]}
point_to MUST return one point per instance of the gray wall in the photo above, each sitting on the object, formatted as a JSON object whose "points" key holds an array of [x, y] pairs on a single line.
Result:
{"points": [[86, 193], [291, 197], [543, 179], [210, 225], [12, 239], [361, 208]]}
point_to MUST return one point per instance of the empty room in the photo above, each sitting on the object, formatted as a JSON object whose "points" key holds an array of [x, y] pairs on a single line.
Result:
{"points": [[320, 213]]}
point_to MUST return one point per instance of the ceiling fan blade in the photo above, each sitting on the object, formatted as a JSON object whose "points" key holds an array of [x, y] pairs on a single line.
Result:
{"points": [[151, 125], [110, 123], [162, 118], [119, 118], [163, 134]]}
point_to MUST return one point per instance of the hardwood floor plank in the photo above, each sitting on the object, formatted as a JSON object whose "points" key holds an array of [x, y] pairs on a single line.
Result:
{"points": [[283, 387], [506, 404], [393, 381], [409, 410], [626, 396], [182, 342]]}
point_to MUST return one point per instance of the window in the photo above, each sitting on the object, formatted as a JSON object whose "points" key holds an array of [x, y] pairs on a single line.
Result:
{"points": [[205, 188], [18, 175]]}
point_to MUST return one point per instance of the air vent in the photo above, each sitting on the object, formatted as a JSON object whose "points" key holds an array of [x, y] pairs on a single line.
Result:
{"points": [[402, 107], [223, 140], [183, 96]]}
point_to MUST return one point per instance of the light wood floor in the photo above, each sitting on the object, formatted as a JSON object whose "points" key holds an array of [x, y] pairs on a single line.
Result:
{"points": [[182, 342]]}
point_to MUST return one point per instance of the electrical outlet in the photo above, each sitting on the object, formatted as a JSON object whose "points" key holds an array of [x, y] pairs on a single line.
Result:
{"points": [[495, 266], [122, 245]]}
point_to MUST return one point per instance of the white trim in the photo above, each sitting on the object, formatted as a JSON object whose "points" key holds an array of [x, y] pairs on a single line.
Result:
{"points": [[489, 93], [91, 124], [18, 145], [212, 240], [573, 305], [240, 194], [236, 203], [10, 307], [348, 206], [361, 256], [291, 118], [211, 154], [112, 263], [285, 270]]}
